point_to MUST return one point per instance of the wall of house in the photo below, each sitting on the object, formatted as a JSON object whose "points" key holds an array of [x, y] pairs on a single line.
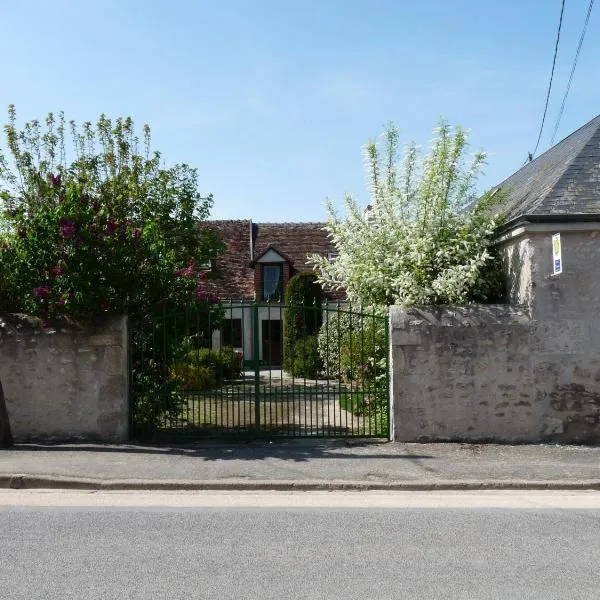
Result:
{"points": [[245, 313], [527, 371], [68, 382]]}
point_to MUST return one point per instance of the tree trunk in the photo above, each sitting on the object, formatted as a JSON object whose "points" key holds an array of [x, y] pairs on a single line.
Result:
{"points": [[6, 439]]}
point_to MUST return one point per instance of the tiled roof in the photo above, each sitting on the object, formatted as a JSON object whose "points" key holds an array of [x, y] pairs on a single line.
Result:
{"points": [[294, 240], [233, 277], [565, 180]]}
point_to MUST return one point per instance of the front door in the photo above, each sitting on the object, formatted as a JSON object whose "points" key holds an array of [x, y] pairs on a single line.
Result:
{"points": [[271, 342]]}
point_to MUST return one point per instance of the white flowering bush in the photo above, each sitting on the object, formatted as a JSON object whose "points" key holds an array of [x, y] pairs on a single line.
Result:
{"points": [[415, 244]]}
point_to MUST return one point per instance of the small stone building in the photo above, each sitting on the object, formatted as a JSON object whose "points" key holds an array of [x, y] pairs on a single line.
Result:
{"points": [[528, 370]]}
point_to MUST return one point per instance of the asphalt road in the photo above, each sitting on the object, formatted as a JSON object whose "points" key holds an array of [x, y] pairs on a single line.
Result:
{"points": [[292, 553]]}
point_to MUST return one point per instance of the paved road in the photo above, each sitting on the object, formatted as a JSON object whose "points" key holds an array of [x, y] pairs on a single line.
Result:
{"points": [[312, 553]]}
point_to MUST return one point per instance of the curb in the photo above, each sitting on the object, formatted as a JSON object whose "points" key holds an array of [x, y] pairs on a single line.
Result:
{"points": [[24, 481]]}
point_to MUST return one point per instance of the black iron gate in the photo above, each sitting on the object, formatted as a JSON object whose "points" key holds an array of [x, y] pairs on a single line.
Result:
{"points": [[252, 369]]}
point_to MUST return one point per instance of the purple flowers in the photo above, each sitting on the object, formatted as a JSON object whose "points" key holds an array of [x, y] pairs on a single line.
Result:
{"points": [[67, 229], [203, 296], [41, 291], [56, 271], [56, 181], [136, 233], [188, 271], [111, 225]]}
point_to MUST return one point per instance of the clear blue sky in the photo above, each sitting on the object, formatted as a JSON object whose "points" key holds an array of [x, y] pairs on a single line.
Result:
{"points": [[273, 100]]}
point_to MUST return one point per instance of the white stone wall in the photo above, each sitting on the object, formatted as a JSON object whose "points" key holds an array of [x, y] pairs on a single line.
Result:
{"points": [[68, 382]]}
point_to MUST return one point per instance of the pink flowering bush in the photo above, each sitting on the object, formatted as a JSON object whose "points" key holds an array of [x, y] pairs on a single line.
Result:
{"points": [[107, 229]]}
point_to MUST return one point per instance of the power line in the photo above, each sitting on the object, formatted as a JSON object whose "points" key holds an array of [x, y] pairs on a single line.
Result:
{"points": [[562, 10], [562, 106]]}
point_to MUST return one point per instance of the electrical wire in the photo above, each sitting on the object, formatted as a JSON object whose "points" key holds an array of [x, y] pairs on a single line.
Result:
{"points": [[562, 106], [562, 10]]}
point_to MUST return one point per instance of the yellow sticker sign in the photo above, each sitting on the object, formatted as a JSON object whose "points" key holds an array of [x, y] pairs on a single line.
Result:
{"points": [[556, 254]]}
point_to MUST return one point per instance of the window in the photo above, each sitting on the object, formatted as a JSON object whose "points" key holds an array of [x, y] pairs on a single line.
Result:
{"points": [[271, 282], [232, 333], [332, 256], [207, 265]]}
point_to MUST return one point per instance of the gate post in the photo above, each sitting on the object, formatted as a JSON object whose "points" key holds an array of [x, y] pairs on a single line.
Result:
{"points": [[256, 352]]}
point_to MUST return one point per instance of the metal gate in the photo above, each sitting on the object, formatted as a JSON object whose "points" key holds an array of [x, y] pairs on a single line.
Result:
{"points": [[254, 370]]}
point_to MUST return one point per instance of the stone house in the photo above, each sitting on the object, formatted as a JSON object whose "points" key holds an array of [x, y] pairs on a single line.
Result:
{"points": [[257, 263], [528, 370]]}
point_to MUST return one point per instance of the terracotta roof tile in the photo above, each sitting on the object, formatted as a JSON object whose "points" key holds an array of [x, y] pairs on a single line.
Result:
{"points": [[233, 277]]}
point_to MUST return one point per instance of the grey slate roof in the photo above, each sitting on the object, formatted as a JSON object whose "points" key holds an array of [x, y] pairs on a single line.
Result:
{"points": [[564, 181]]}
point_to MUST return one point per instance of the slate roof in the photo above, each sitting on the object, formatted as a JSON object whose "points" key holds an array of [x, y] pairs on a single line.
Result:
{"points": [[563, 182], [245, 241]]}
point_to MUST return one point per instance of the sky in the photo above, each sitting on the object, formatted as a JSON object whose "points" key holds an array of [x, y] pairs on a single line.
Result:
{"points": [[272, 100]]}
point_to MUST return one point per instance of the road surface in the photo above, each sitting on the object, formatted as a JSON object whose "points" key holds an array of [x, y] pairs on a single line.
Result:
{"points": [[100, 546]]}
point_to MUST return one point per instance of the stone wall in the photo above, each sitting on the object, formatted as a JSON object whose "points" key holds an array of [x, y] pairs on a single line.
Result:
{"points": [[491, 373], [524, 372], [65, 382]]}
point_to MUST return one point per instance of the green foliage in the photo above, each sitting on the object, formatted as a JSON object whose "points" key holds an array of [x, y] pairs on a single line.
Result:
{"points": [[108, 230], [202, 368], [302, 318], [306, 360], [332, 332], [92, 223], [196, 377], [363, 350], [303, 288], [226, 362], [416, 244], [370, 403]]}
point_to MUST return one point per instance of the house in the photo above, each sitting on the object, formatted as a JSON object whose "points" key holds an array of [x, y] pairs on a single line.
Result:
{"points": [[557, 193], [258, 261]]}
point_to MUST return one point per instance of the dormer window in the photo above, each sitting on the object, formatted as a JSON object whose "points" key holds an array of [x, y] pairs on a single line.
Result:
{"points": [[272, 277], [271, 272]]}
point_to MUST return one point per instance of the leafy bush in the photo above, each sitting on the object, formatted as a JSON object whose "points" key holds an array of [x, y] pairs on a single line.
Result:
{"points": [[332, 332], [416, 243], [191, 376], [102, 226], [363, 351], [112, 230], [306, 360], [224, 363], [302, 316]]}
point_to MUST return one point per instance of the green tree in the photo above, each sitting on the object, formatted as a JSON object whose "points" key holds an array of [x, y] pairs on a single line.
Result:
{"points": [[99, 225], [416, 243], [302, 320]]}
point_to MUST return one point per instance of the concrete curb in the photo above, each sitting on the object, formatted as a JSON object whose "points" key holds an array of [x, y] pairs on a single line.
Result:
{"points": [[24, 481]]}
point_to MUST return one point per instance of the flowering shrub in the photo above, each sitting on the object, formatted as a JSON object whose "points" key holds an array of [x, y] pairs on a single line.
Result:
{"points": [[110, 230], [415, 244], [106, 229]]}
